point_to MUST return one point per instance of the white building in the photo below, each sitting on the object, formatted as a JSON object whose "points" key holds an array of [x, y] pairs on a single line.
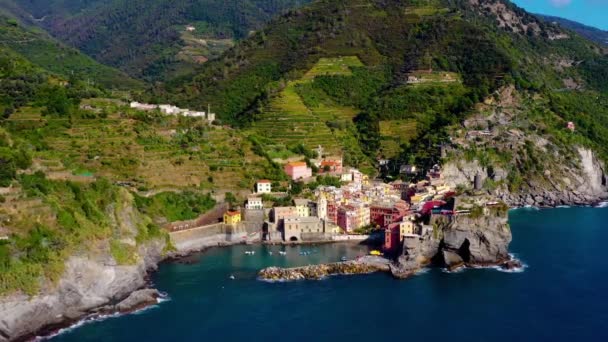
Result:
{"points": [[254, 203], [169, 109], [143, 106], [263, 186]]}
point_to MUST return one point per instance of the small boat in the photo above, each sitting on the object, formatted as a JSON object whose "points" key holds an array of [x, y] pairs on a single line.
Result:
{"points": [[232, 277], [343, 258], [282, 252], [375, 253]]}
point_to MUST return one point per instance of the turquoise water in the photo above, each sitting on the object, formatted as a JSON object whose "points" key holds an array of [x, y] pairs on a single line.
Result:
{"points": [[560, 296]]}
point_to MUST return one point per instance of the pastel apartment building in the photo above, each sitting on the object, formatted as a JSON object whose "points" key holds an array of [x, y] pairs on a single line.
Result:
{"points": [[263, 186], [302, 208], [352, 217], [298, 170]]}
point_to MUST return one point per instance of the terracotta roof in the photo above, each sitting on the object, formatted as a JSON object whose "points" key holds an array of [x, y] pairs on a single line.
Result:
{"points": [[296, 164], [264, 181], [233, 213]]}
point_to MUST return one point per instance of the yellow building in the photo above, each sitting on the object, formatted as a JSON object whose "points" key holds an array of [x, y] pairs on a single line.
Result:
{"points": [[417, 198], [302, 208], [336, 230], [232, 217], [406, 228]]}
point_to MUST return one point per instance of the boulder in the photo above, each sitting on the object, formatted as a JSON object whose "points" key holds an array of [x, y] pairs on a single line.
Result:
{"points": [[452, 260]]}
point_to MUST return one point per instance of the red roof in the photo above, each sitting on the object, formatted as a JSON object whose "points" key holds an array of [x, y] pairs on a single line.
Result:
{"points": [[233, 213], [264, 181]]}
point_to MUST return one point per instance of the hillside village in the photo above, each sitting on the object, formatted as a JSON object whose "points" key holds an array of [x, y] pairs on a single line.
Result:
{"points": [[360, 208]]}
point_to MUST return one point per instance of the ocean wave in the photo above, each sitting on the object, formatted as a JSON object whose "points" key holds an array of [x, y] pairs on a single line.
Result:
{"points": [[563, 207], [422, 271], [81, 323], [454, 271], [98, 318], [602, 205]]}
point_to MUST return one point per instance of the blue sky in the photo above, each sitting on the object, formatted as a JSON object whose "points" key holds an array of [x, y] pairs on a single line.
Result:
{"points": [[588, 12]]}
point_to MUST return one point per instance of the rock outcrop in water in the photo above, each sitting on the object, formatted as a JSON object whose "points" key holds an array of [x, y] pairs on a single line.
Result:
{"points": [[363, 265], [477, 239]]}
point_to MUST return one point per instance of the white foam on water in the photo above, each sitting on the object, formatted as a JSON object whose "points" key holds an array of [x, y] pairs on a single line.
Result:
{"points": [[602, 205], [99, 318], [422, 271], [455, 271], [563, 207]]}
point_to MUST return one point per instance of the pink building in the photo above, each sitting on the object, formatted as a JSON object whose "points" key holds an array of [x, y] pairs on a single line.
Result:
{"points": [[298, 170]]}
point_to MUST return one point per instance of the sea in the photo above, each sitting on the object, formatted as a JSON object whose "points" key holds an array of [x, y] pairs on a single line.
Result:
{"points": [[560, 295]]}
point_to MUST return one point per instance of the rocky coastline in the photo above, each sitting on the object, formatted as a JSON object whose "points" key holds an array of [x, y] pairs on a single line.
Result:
{"points": [[94, 288]]}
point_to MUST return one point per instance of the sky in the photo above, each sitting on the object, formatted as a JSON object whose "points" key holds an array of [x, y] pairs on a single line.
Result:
{"points": [[588, 12]]}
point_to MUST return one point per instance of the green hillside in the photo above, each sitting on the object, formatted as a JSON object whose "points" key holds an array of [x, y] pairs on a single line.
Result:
{"points": [[43, 51], [148, 38], [429, 40]]}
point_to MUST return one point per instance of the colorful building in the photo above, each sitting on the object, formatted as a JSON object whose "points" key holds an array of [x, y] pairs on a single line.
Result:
{"points": [[232, 217], [353, 216], [391, 238], [407, 227], [381, 214], [298, 170], [332, 212], [331, 165], [263, 186], [302, 208]]}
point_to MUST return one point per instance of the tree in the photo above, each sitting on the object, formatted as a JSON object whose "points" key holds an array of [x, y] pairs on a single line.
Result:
{"points": [[230, 199], [8, 169]]}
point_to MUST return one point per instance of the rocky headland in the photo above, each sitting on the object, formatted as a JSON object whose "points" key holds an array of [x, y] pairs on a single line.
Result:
{"points": [[89, 287]]}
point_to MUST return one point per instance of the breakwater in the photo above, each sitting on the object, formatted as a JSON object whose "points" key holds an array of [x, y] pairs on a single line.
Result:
{"points": [[364, 265]]}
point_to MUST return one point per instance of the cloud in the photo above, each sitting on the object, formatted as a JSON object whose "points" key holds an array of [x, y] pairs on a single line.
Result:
{"points": [[560, 3]]}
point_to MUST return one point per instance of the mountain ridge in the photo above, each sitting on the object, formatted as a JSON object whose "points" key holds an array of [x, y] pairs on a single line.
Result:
{"points": [[590, 32]]}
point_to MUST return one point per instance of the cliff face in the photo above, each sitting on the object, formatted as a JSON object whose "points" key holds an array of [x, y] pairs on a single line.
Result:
{"points": [[523, 158], [87, 285], [458, 241], [583, 180], [93, 281]]}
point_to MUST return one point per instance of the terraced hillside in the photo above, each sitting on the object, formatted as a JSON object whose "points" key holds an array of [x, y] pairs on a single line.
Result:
{"points": [[108, 139], [304, 114], [394, 133]]}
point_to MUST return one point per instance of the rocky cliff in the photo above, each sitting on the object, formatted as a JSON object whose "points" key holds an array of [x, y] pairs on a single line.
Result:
{"points": [[477, 239], [88, 286], [581, 181], [521, 158], [98, 279]]}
